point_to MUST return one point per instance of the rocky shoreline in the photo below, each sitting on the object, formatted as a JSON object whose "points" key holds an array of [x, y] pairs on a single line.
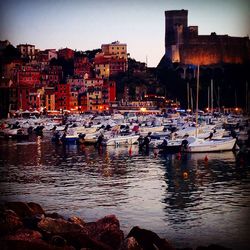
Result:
{"points": [[26, 226]]}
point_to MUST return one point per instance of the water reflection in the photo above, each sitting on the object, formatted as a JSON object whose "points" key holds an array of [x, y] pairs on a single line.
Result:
{"points": [[188, 175], [177, 196]]}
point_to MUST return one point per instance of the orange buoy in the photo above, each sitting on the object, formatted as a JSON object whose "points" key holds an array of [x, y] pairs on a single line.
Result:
{"points": [[179, 155], [185, 175], [206, 159], [130, 151]]}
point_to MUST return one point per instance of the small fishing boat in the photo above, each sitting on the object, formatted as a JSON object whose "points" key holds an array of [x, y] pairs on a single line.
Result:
{"points": [[18, 134], [144, 130], [194, 144], [121, 140]]}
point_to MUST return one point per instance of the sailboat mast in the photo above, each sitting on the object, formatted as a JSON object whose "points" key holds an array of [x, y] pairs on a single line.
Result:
{"points": [[208, 99], [219, 98], [212, 96], [197, 100]]}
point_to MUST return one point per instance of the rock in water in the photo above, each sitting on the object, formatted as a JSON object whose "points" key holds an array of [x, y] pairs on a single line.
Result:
{"points": [[36, 208], [25, 235], [106, 230], [148, 240], [58, 226], [130, 244], [20, 208], [9, 222], [76, 220]]}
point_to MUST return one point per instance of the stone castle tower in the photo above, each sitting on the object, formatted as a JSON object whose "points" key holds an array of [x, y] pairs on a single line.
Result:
{"points": [[184, 45]]}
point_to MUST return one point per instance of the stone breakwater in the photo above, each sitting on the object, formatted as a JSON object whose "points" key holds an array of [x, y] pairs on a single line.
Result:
{"points": [[26, 226]]}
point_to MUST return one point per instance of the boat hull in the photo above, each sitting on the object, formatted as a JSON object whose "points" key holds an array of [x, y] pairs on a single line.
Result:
{"points": [[121, 140], [170, 149], [211, 146]]}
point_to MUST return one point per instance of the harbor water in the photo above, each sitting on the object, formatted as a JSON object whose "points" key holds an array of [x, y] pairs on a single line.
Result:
{"points": [[190, 199]]}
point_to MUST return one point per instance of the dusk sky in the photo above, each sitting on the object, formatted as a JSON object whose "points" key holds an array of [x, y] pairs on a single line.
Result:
{"points": [[86, 24]]}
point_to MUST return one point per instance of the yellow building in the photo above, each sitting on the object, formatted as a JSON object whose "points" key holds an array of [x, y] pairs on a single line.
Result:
{"points": [[102, 69], [50, 98], [94, 94], [116, 50]]}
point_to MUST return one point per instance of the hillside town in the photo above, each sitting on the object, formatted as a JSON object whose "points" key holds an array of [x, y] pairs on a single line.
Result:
{"points": [[51, 81], [64, 80], [108, 78]]}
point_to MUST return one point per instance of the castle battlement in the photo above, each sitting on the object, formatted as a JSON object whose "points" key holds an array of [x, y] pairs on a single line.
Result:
{"points": [[184, 45]]}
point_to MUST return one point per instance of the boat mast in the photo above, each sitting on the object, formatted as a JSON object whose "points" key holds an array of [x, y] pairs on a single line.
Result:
{"points": [[208, 99], [188, 96], [212, 96], [197, 99], [219, 98]]}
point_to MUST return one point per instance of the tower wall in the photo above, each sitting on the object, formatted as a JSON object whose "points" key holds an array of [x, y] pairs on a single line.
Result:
{"points": [[184, 45]]}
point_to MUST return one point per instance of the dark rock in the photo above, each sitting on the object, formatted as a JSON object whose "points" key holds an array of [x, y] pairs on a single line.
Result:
{"points": [[54, 215], [76, 220], [20, 208], [30, 245], [36, 208], [130, 244], [81, 240], [58, 241], [24, 234], [9, 222], [112, 237], [58, 226], [148, 239], [106, 230], [31, 222], [108, 220]]}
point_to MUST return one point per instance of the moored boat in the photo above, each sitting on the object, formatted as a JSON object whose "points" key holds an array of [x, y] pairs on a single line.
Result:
{"points": [[121, 140], [200, 145]]}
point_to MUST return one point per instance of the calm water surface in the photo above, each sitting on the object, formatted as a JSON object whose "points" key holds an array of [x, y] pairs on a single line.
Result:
{"points": [[186, 199]]}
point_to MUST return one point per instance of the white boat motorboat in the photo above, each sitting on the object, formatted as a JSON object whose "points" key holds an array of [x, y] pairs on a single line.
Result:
{"points": [[121, 140], [93, 137], [200, 145], [144, 130]]}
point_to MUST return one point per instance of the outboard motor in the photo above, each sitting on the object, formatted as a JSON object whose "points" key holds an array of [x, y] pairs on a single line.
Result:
{"points": [[184, 144]]}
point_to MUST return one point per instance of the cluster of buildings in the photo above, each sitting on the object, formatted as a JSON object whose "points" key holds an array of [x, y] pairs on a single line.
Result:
{"points": [[35, 82]]}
